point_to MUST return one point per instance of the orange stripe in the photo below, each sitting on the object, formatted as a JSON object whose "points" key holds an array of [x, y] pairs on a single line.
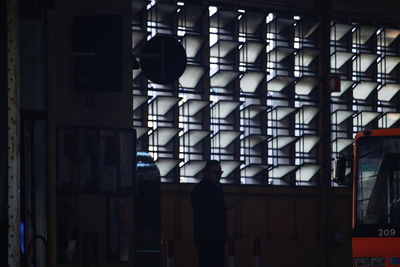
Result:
{"points": [[376, 247]]}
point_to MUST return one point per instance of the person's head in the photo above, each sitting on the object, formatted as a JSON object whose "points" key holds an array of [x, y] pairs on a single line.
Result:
{"points": [[213, 171]]}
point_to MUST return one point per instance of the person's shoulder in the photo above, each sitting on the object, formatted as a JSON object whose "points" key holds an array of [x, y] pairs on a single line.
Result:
{"points": [[197, 191], [199, 186]]}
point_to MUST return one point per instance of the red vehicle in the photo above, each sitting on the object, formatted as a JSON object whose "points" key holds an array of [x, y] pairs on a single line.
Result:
{"points": [[376, 198]]}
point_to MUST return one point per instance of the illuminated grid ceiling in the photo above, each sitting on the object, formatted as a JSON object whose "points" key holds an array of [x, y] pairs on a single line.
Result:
{"points": [[249, 95]]}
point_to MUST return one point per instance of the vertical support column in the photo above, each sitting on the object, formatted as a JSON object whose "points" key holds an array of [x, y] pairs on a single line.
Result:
{"points": [[3, 132], [170, 254], [231, 253], [324, 9], [256, 253], [13, 134]]}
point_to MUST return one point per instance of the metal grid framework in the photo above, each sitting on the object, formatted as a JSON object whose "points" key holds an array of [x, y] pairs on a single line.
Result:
{"points": [[365, 59], [249, 95]]}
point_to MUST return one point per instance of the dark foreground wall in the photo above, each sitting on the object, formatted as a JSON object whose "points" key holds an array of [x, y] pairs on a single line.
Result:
{"points": [[287, 221]]}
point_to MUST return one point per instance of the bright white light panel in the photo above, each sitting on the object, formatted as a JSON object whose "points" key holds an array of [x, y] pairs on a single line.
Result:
{"points": [[250, 93]]}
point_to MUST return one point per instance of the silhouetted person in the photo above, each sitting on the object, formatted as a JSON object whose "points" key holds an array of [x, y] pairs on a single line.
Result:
{"points": [[209, 217]]}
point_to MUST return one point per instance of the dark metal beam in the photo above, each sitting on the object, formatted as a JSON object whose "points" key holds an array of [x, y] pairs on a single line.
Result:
{"points": [[3, 132], [324, 126], [13, 166], [325, 15]]}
